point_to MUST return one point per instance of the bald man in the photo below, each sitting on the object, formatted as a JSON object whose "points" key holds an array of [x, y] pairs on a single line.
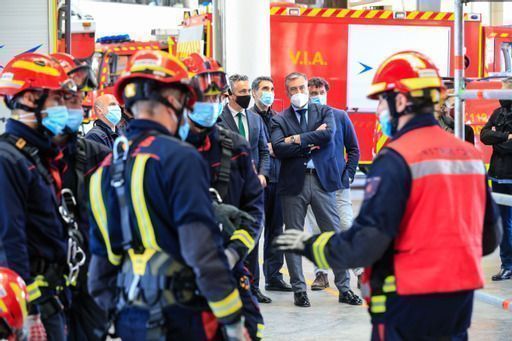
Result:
{"points": [[108, 113]]}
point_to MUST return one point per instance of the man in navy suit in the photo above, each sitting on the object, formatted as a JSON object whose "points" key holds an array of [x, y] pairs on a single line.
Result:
{"points": [[345, 141], [263, 93], [303, 139], [249, 125]]}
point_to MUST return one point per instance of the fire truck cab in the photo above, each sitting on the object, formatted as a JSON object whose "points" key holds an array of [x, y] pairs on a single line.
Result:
{"points": [[110, 59]]}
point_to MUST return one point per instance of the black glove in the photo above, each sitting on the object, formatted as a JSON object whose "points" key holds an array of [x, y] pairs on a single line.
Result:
{"points": [[231, 218]]}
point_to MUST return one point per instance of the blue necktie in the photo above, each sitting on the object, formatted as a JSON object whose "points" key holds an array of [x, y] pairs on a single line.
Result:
{"points": [[303, 123]]}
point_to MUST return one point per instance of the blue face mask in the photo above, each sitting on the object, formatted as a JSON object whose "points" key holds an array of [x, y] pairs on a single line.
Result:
{"points": [[267, 98], [75, 118], [205, 114], [320, 99], [56, 119], [385, 123], [184, 129], [114, 114]]}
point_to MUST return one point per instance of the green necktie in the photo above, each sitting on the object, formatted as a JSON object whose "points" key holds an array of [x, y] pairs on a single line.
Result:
{"points": [[241, 128]]}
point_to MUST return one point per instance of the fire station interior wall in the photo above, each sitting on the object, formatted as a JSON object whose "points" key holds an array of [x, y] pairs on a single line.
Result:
{"points": [[246, 37], [23, 27], [369, 46], [135, 20]]}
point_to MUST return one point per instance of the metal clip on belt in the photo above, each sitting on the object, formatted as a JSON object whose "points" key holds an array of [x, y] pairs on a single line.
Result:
{"points": [[120, 155], [75, 256]]}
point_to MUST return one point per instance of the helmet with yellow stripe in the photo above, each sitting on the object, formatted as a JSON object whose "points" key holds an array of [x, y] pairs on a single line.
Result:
{"points": [[13, 305], [148, 71], [407, 72], [33, 71]]}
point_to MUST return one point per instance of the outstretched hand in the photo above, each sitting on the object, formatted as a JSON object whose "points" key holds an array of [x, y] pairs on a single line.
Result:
{"points": [[292, 241]]}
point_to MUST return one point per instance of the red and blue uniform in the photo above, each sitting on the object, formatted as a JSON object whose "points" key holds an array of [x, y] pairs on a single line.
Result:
{"points": [[244, 192], [33, 236], [171, 212], [415, 289]]}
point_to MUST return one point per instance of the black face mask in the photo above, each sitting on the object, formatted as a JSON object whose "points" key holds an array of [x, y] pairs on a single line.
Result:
{"points": [[506, 103], [243, 101]]}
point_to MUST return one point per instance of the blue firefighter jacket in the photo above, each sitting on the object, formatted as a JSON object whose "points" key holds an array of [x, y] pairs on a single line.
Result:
{"points": [[167, 188], [30, 226], [244, 191]]}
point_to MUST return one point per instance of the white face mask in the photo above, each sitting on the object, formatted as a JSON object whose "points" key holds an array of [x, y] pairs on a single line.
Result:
{"points": [[299, 100]]}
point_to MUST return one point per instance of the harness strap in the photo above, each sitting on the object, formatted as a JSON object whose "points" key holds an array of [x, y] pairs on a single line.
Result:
{"points": [[80, 165], [120, 160], [31, 153], [222, 183]]}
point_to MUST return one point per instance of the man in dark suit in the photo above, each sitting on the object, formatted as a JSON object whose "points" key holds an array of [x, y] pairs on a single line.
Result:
{"points": [[263, 93], [249, 125], [345, 141], [303, 139]]}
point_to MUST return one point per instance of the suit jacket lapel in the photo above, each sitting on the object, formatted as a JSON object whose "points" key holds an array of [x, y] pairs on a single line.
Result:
{"points": [[228, 119], [293, 119], [312, 116], [252, 126]]}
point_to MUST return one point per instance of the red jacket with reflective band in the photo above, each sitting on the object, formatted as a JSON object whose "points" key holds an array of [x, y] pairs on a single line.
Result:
{"points": [[439, 245]]}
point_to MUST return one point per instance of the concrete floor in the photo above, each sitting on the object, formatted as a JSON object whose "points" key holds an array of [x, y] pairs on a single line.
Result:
{"points": [[326, 319]]}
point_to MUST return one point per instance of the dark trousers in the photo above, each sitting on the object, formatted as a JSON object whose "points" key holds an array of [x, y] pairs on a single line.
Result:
{"points": [[506, 216], [179, 324], [382, 332], [325, 210], [272, 260], [86, 321], [55, 326], [250, 307]]}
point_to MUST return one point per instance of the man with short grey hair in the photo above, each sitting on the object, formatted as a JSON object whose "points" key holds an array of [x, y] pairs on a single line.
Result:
{"points": [[109, 114], [303, 139], [345, 141]]}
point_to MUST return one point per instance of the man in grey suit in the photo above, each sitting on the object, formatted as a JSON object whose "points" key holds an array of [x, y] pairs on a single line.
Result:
{"points": [[303, 139], [250, 125]]}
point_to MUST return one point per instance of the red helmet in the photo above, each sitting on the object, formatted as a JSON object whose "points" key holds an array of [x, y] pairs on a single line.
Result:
{"points": [[33, 71], [209, 76], [13, 303], [157, 66], [80, 72], [407, 72]]}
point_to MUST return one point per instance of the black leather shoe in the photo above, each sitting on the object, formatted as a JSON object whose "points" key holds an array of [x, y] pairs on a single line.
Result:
{"points": [[260, 297], [301, 299], [278, 285], [502, 275], [350, 298]]}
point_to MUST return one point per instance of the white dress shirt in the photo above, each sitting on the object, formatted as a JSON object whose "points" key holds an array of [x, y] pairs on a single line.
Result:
{"points": [[244, 120]]}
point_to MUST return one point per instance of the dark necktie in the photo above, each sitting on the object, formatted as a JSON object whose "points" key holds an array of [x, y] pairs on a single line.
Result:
{"points": [[303, 123], [241, 128]]}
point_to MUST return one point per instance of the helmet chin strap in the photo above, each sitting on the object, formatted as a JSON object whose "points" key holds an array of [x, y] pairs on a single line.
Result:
{"points": [[178, 112], [14, 104], [395, 115]]}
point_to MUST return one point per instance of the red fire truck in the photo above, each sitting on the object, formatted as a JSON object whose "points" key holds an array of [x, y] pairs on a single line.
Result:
{"points": [[109, 60], [346, 46]]}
